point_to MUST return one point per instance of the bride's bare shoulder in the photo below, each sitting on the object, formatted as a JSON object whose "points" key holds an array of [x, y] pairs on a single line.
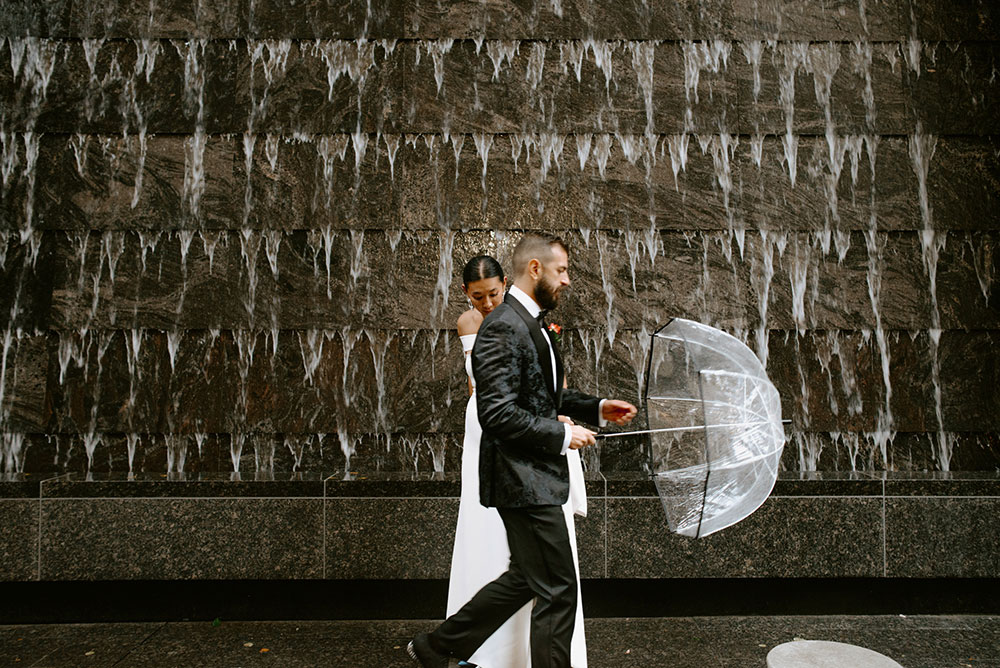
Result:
{"points": [[469, 322]]}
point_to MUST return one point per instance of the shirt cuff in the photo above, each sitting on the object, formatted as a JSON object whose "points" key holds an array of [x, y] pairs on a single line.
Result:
{"points": [[601, 422], [567, 439]]}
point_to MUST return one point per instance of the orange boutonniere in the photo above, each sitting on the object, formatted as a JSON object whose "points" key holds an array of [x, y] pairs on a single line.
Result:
{"points": [[555, 331]]}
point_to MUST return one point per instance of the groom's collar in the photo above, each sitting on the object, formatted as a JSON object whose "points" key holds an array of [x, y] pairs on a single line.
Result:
{"points": [[529, 304]]}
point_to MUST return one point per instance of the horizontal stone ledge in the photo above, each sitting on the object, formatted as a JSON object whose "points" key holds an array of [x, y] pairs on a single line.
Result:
{"points": [[620, 484], [893, 20]]}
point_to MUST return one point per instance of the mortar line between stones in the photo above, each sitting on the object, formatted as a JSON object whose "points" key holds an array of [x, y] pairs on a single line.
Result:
{"points": [[885, 554], [323, 529], [607, 530], [38, 543]]}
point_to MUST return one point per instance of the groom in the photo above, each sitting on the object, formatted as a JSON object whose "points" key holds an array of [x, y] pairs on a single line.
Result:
{"points": [[523, 471]]}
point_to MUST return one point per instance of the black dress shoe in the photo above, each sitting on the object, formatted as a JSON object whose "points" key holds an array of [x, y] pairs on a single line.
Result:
{"points": [[420, 650]]}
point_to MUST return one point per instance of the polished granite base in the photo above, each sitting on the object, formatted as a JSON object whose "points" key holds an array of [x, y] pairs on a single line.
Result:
{"points": [[675, 642], [400, 526]]}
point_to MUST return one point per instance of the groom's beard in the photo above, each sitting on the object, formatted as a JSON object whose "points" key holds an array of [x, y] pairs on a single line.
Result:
{"points": [[547, 294]]}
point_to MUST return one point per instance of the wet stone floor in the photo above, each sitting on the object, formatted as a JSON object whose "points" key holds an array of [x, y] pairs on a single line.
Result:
{"points": [[674, 642]]}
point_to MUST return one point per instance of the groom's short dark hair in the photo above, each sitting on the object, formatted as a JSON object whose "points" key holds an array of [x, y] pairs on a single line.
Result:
{"points": [[535, 247]]}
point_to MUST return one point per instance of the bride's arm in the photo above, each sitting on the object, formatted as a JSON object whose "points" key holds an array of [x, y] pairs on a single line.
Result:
{"points": [[468, 323]]}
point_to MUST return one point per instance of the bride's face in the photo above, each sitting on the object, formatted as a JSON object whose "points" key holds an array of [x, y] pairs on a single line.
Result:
{"points": [[485, 294]]}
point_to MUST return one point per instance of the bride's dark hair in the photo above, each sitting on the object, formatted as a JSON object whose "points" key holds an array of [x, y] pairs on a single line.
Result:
{"points": [[480, 267]]}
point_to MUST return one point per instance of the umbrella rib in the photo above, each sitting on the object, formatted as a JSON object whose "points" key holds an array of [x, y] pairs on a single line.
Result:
{"points": [[764, 417]]}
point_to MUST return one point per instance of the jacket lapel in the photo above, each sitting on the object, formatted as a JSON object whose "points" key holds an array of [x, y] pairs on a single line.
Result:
{"points": [[541, 345]]}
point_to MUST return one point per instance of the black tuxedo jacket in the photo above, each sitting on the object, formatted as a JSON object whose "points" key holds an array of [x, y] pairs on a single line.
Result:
{"points": [[520, 460]]}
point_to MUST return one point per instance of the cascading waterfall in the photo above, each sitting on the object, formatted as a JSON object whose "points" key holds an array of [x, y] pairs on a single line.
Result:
{"points": [[325, 213]]}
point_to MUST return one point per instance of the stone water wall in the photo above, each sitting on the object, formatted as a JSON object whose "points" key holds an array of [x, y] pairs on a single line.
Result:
{"points": [[232, 231]]}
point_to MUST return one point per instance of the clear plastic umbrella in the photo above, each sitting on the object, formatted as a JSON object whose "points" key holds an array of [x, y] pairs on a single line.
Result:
{"points": [[715, 427]]}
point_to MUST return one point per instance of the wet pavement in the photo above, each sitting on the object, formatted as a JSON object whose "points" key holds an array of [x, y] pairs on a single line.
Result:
{"points": [[923, 641]]}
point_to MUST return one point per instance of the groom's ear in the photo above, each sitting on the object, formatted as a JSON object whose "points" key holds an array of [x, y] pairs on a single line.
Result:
{"points": [[534, 268]]}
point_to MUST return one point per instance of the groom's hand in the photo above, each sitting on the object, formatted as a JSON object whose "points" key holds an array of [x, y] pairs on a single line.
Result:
{"points": [[566, 419], [618, 412], [580, 437]]}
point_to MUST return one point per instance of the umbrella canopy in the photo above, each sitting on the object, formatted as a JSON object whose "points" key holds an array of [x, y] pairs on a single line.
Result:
{"points": [[716, 434]]}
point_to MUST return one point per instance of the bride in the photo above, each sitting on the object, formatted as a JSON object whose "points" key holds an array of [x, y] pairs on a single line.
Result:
{"points": [[481, 553]]}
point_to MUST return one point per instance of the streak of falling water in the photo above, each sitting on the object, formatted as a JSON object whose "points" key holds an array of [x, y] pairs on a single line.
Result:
{"points": [[379, 342], [794, 55], [349, 338], [604, 255], [246, 344], [263, 455], [484, 142], [678, 147], [177, 447], [875, 243], [643, 56], [131, 443], [328, 147], [437, 50], [249, 250], [798, 275], [711, 56], [752, 51], [391, 147], [237, 439], [932, 242], [311, 347], [192, 52], [446, 266], [499, 52], [761, 274], [457, 142]]}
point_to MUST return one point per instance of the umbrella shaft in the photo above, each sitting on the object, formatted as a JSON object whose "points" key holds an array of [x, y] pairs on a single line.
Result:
{"points": [[670, 429]]}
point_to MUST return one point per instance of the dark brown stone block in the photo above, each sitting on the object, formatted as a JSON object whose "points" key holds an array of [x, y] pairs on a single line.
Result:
{"points": [[953, 88], [863, 82], [941, 537], [570, 18], [320, 182], [957, 21], [323, 19], [39, 19], [155, 539], [591, 535], [364, 535], [165, 18], [19, 539], [325, 86], [963, 186], [787, 537], [25, 393], [124, 85], [520, 86], [26, 272], [94, 182], [814, 20]]}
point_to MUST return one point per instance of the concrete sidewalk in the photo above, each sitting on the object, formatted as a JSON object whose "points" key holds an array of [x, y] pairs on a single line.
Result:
{"points": [[677, 642]]}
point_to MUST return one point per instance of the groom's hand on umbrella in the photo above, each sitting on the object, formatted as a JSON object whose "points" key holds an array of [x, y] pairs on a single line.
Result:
{"points": [[581, 436], [618, 412]]}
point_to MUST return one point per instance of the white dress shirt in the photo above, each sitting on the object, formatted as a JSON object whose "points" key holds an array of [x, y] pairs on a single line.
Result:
{"points": [[534, 309]]}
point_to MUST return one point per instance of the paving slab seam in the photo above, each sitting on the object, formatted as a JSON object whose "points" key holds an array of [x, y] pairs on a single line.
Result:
{"points": [[145, 640]]}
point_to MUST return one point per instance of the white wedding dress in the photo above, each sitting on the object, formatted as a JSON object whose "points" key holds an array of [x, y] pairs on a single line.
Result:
{"points": [[481, 553]]}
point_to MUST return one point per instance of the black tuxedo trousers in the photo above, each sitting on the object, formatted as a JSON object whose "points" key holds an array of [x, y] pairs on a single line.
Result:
{"points": [[523, 474], [541, 567]]}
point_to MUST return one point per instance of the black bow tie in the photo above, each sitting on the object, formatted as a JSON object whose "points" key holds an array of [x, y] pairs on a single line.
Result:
{"points": [[541, 319]]}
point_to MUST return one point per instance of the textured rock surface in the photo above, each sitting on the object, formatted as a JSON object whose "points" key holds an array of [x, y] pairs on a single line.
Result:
{"points": [[230, 236]]}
